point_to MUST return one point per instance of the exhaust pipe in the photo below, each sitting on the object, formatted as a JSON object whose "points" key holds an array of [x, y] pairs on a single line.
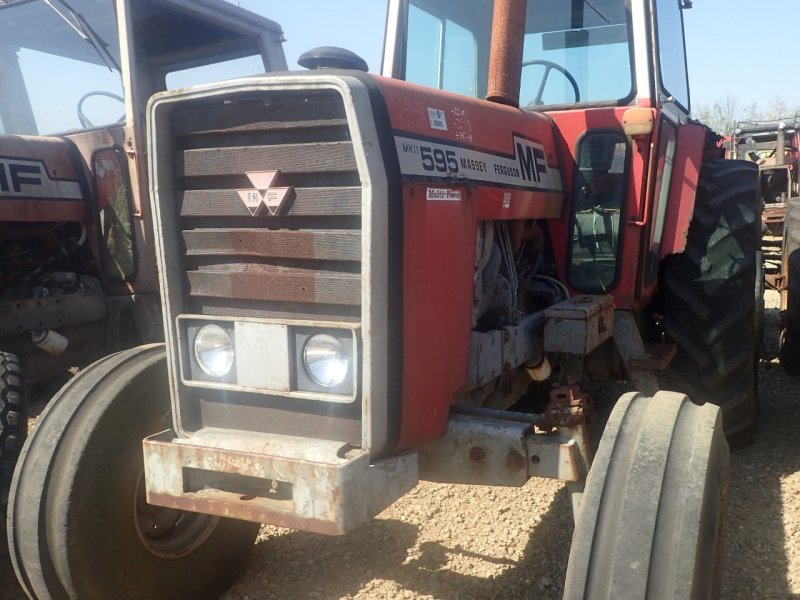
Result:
{"points": [[505, 59]]}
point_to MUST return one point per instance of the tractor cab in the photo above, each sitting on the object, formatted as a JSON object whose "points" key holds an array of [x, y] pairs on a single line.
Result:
{"points": [[580, 54]]}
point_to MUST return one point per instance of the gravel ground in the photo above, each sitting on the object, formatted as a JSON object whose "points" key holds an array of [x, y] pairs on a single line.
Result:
{"points": [[466, 542]]}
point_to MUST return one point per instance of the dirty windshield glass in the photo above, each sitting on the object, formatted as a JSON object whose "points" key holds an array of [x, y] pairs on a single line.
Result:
{"points": [[59, 66], [573, 51]]}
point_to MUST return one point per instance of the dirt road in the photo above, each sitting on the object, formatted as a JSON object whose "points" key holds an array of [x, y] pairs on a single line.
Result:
{"points": [[463, 543]]}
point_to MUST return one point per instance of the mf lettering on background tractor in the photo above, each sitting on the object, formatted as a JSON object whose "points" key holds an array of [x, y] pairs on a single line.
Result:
{"points": [[29, 178]]}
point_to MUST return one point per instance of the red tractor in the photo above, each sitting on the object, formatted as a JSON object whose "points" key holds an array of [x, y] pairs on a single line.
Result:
{"points": [[371, 280]]}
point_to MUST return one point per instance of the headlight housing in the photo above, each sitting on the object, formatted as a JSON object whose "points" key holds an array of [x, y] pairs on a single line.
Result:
{"points": [[214, 351], [326, 360]]}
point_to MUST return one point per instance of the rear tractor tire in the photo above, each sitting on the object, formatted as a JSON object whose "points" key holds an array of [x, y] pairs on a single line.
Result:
{"points": [[711, 299], [78, 523], [651, 522], [13, 426], [790, 333]]}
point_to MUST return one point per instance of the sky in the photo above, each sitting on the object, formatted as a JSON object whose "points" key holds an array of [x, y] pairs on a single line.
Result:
{"points": [[741, 47]]}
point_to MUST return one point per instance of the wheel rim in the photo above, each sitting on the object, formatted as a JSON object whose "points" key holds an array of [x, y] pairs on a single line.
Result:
{"points": [[167, 532]]}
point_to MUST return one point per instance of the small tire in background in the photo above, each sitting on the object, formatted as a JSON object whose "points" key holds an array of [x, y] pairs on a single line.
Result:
{"points": [[651, 522]]}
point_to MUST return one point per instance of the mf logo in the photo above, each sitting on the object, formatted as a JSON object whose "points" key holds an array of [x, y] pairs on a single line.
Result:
{"points": [[265, 199], [532, 161]]}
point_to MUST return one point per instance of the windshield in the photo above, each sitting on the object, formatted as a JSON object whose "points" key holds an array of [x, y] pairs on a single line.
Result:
{"points": [[574, 52], [59, 66]]}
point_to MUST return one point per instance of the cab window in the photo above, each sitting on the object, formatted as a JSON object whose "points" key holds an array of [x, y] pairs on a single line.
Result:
{"points": [[672, 51]]}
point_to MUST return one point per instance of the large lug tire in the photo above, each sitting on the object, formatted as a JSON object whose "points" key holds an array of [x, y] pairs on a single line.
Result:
{"points": [[709, 307], [790, 334], [78, 525], [13, 426], [651, 521]]}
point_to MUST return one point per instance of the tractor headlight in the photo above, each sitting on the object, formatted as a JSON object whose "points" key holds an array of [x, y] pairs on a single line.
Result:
{"points": [[326, 360], [213, 350]]}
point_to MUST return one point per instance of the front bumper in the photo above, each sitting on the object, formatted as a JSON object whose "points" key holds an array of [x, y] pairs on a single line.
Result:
{"points": [[279, 480]]}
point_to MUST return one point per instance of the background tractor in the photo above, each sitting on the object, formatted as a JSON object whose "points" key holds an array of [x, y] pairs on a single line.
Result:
{"points": [[775, 147], [368, 280], [77, 267]]}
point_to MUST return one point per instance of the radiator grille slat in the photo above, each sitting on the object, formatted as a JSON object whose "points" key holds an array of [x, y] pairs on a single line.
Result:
{"points": [[289, 158], [266, 282], [328, 201], [263, 243]]}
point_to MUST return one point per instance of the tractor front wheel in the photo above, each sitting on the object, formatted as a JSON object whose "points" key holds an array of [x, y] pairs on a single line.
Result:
{"points": [[651, 520], [79, 525]]}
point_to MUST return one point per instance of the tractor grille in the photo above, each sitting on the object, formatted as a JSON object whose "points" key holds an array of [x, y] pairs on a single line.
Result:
{"points": [[304, 262]]}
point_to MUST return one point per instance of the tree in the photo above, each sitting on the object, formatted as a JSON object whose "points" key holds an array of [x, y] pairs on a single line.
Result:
{"points": [[723, 115]]}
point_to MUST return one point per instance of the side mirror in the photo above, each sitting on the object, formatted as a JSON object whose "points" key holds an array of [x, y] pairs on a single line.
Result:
{"points": [[331, 57]]}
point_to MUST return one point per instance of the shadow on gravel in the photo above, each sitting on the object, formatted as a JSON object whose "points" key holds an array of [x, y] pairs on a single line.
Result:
{"points": [[325, 568], [756, 560], [539, 573]]}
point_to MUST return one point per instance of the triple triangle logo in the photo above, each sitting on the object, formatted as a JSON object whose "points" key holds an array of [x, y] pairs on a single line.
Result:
{"points": [[265, 199]]}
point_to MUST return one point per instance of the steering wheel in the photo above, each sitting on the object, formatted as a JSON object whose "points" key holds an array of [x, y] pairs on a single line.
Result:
{"points": [[85, 122], [549, 66]]}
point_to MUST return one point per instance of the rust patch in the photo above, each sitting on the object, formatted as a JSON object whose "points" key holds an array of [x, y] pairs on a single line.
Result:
{"points": [[568, 406], [515, 461], [477, 454]]}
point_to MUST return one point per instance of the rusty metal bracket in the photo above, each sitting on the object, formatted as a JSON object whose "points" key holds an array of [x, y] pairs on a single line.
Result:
{"points": [[568, 407], [496, 448]]}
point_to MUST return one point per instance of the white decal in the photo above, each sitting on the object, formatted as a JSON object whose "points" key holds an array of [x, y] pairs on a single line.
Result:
{"points": [[28, 178], [437, 118], [507, 200], [444, 194], [527, 168]]}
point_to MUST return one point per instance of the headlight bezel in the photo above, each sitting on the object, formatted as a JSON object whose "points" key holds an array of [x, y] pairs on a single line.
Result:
{"points": [[196, 370], [304, 381], [300, 384]]}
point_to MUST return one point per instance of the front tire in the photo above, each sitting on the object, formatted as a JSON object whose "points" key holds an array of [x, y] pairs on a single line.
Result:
{"points": [[651, 522], [709, 297], [78, 524]]}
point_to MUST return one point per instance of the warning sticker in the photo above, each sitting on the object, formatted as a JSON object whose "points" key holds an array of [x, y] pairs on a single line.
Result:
{"points": [[437, 119]]}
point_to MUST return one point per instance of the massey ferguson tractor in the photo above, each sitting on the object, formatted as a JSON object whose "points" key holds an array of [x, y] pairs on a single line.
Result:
{"points": [[77, 267], [372, 280]]}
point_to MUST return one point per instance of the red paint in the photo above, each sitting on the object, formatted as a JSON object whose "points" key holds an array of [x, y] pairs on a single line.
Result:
{"points": [[36, 210], [470, 122], [439, 258], [686, 173]]}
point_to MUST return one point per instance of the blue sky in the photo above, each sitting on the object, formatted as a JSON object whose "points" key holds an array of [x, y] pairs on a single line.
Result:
{"points": [[724, 50]]}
